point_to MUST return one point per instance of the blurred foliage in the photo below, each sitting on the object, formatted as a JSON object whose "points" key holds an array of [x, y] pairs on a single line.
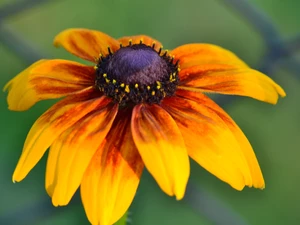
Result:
{"points": [[273, 130]]}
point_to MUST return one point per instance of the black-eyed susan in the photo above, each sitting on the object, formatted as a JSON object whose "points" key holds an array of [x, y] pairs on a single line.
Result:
{"points": [[137, 105]]}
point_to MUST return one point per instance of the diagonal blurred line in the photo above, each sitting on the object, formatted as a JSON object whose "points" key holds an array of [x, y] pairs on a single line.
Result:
{"points": [[293, 43], [292, 64], [262, 24], [17, 7], [269, 63], [266, 64], [11, 39], [210, 207], [255, 17], [278, 49]]}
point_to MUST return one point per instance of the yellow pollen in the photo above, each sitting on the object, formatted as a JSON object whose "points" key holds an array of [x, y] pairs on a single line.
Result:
{"points": [[122, 85], [127, 89], [104, 75], [153, 93], [178, 69], [141, 41], [148, 87], [130, 41], [114, 81], [136, 85], [158, 85], [107, 80], [95, 67]]}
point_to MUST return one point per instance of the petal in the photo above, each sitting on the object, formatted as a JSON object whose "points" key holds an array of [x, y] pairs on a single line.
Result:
{"points": [[111, 180], [162, 149], [221, 146], [47, 79], [51, 171], [203, 54], [257, 177], [125, 41], [189, 74], [51, 124], [78, 144], [227, 80], [86, 44]]}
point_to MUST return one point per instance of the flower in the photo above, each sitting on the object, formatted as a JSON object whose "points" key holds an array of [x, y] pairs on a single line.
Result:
{"points": [[137, 105]]}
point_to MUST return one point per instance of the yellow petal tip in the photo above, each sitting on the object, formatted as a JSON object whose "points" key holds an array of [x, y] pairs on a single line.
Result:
{"points": [[179, 197], [6, 87], [56, 42], [18, 174], [179, 194], [14, 180], [239, 188], [262, 187], [281, 92]]}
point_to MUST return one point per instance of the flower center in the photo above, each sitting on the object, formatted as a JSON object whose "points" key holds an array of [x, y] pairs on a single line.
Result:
{"points": [[137, 73]]}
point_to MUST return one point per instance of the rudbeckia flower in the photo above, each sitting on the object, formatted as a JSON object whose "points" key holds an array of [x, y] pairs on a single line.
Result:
{"points": [[137, 105]]}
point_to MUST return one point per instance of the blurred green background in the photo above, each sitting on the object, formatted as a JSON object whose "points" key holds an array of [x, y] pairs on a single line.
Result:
{"points": [[274, 131]]}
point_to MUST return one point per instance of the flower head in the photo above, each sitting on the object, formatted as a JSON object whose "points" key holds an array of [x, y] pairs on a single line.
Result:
{"points": [[137, 105]]}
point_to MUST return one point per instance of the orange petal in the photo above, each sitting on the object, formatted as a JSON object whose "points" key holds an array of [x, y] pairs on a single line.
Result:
{"points": [[221, 147], [78, 144], [203, 54], [47, 79], [161, 146], [111, 180], [125, 41], [51, 124], [227, 80], [257, 177], [86, 44]]}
